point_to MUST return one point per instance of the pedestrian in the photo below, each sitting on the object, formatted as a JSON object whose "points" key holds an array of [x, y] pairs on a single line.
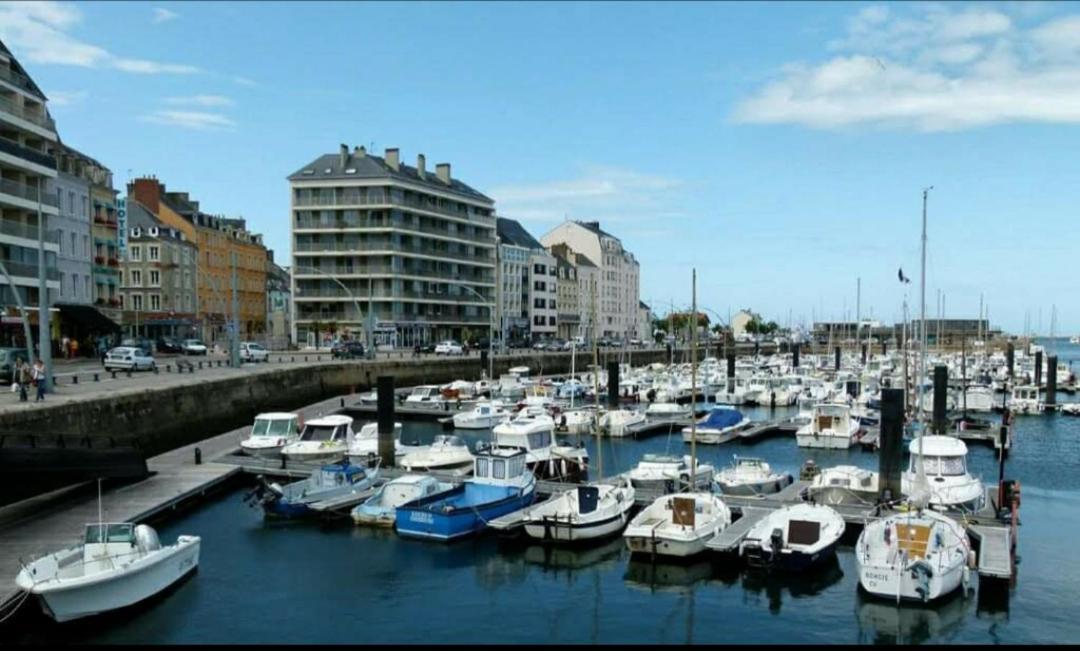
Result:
{"points": [[103, 348], [65, 346], [24, 380], [16, 372], [74, 348], [38, 377]]}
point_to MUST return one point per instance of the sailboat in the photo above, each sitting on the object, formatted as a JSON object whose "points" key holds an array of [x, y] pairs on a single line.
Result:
{"points": [[586, 512], [918, 554], [680, 524]]}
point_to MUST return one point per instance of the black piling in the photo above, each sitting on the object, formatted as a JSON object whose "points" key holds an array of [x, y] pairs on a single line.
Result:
{"points": [[1051, 381], [795, 355], [484, 362], [941, 385], [1038, 368], [891, 443], [852, 388], [613, 385], [864, 354], [884, 347], [836, 355], [1009, 359], [731, 372], [385, 416]]}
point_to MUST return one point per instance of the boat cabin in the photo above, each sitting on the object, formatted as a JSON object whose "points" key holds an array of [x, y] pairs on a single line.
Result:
{"points": [[1026, 393], [942, 456], [276, 425], [425, 393], [408, 488], [328, 428], [334, 475], [500, 466], [831, 416], [106, 543]]}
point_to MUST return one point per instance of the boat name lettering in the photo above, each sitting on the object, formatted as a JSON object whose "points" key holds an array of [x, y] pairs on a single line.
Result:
{"points": [[420, 516]]}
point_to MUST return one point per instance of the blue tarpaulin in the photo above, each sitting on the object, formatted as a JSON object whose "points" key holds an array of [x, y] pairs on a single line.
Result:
{"points": [[721, 418]]}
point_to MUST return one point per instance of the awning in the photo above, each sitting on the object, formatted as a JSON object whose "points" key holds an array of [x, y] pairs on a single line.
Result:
{"points": [[87, 316]]}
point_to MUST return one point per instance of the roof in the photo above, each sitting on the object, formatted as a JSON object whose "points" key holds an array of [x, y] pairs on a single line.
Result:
{"points": [[139, 215], [595, 228], [29, 83], [642, 305], [584, 261], [370, 166], [939, 446], [512, 232], [276, 415], [333, 419]]}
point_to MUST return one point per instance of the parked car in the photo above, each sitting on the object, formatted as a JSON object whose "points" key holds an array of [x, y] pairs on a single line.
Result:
{"points": [[426, 348], [253, 352], [142, 343], [169, 345], [7, 362], [636, 342], [347, 350], [517, 343], [449, 348], [122, 358], [194, 347], [540, 344]]}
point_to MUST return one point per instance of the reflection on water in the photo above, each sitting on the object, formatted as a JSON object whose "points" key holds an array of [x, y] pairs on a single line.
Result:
{"points": [[801, 584], [884, 622], [554, 557], [659, 576]]}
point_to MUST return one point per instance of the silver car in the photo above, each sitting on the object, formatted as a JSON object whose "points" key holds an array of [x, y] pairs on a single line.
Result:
{"points": [[125, 357]]}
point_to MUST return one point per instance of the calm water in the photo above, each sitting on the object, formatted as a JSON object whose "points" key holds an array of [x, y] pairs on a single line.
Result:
{"points": [[299, 583]]}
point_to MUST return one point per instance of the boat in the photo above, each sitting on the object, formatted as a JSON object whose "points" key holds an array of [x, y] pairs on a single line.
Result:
{"points": [[751, 476], [660, 473], [425, 395], [378, 510], [532, 430], [668, 411], [843, 484], [720, 425], [587, 512], [1071, 408], [270, 433], [330, 482], [1025, 400], [832, 426], [364, 446], [446, 454], [793, 538], [322, 440], [944, 460], [918, 555], [581, 420], [618, 423], [117, 565], [484, 415], [1075, 339], [978, 398], [501, 484]]}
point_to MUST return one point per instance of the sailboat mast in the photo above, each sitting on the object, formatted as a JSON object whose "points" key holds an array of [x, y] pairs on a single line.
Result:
{"points": [[693, 379], [596, 388], [922, 350]]}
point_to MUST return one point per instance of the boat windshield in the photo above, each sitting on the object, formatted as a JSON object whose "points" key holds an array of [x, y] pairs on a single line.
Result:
{"points": [[273, 427], [944, 466], [320, 432], [113, 533]]}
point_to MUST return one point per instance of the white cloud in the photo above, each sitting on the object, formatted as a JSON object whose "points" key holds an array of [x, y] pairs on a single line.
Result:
{"points": [[244, 81], [201, 100], [163, 15], [38, 32], [66, 97], [931, 68], [598, 192], [196, 120]]}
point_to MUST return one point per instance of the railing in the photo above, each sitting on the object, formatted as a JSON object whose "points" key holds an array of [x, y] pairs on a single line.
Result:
{"points": [[397, 271], [24, 270], [342, 224], [21, 151], [346, 199], [340, 318], [383, 295], [381, 247], [23, 191], [27, 231], [9, 106], [22, 81]]}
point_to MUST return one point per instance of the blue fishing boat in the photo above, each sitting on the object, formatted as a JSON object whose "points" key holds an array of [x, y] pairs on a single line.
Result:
{"points": [[331, 482], [501, 484]]}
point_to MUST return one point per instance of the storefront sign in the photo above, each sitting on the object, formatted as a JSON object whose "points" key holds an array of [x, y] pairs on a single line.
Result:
{"points": [[121, 225]]}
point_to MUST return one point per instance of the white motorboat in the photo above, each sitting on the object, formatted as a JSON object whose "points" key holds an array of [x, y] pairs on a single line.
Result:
{"points": [[322, 440], [751, 476], [533, 431], [581, 420], [677, 525], [117, 565], [485, 415], [301, 498], [844, 485], [584, 513], [667, 411], [918, 555], [1071, 408], [978, 398], [270, 433], [364, 446], [794, 537], [720, 425], [944, 460], [1025, 400], [447, 454], [425, 395], [618, 423], [379, 510], [832, 426], [669, 474]]}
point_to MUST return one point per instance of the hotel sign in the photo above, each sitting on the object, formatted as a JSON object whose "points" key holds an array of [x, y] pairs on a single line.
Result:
{"points": [[121, 226]]}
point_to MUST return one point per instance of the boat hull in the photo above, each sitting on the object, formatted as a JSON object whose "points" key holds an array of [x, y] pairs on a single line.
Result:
{"points": [[661, 546], [825, 441], [418, 522], [789, 560], [749, 489], [78, 598], [262, 451]]}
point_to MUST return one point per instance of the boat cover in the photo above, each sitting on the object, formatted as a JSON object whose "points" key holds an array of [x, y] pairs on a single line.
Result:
{"points": [[721, 418]]}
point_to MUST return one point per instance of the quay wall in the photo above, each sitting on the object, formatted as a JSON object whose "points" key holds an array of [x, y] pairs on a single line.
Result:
{"points": [[162, 419]]}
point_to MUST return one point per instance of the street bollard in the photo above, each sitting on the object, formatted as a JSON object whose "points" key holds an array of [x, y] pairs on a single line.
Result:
{"points": [[96, 379], [155, 370], [74, 379], [198, 456], [113, 374]]}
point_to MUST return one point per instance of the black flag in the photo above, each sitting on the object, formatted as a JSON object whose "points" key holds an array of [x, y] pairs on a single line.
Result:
{"points": [[902, 278]]}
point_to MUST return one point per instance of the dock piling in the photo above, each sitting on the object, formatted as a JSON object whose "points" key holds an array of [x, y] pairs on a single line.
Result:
{"points": [[1038, 368], [1051, 381], [864, 354], [613, 385], [1009, 354], [795, 355], [731, 372], [891, 443], [385, 417], [836, 355], [941, 385]]}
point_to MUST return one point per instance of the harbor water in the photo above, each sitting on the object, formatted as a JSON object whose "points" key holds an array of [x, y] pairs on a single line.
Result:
{"points": [[262, 582]]}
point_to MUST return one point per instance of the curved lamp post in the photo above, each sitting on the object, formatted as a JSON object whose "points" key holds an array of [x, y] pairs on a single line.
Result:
{"points": [[369, 351]]}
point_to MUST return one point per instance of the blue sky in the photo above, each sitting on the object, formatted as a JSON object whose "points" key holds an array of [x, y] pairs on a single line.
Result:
{"points": [[781, 149]]}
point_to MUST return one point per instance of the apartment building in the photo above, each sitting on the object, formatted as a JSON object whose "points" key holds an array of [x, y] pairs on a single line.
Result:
{"points": [[568, 296], [618, 282], [158, 277], [587, 289], [223, 243], [278, 304], [27, 192], [381, 245], [528, 282], [72, 226]]}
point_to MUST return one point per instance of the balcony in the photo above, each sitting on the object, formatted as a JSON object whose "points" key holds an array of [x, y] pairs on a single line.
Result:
{"points": [[388, 225], [381, 246], [24, 270], [9, 107], [349, 199], [105, 221], [19, 151], [16, 79], [362, 295], [30, 193], [27, 231]]}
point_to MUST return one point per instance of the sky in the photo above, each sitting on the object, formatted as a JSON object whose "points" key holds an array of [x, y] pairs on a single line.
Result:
{"points": [[781, 149]]}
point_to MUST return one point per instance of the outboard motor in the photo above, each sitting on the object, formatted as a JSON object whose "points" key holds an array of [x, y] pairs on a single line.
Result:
{"points": [[922, 572], [146, 539], [776, 542]]}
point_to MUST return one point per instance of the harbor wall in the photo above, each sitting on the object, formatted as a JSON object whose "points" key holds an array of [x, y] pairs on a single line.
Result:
{"points": [[162, 419]]}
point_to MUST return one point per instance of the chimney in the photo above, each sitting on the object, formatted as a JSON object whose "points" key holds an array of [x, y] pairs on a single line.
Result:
{"points": [[344, 157], [359, 152], [442, 170], [420, 171], [392, 160], [147, 191]]}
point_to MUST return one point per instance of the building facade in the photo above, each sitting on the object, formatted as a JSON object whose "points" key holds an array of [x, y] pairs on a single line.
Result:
{"points": [[619, 274], [586, 303], [278, 305], [384, 247], [567, 293], [72, 226], [157, 278], [222, 244], [645, 323], [543, 294], [27, 190]]}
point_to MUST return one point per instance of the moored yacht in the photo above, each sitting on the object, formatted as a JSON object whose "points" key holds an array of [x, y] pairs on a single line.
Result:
{"points": [[533, 431], [322, 440], [484, 415], [794, 537], [832, 426], [618, 423], [584, 513], [944, 459], [270, 433], [677, 525], [446, 454], [379, 509], [751, 476], [720, 425], [661, 473]]}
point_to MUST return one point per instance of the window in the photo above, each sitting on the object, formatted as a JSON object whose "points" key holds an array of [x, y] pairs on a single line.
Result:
{"points": [[85, 245], [136, 253], [482, 467], [74, 241], [155, 302], [61, 284], [498, 469], [551, 320], [155, 278], [136, 302], [87, 278], [136, 278], [154, 254]]}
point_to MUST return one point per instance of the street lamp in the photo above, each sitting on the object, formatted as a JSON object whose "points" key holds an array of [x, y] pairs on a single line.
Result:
{"points": [[491, 328], [369, 349]]}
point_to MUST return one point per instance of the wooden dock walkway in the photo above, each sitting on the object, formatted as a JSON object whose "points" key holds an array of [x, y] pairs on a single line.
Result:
{"points": [[729, 539]]}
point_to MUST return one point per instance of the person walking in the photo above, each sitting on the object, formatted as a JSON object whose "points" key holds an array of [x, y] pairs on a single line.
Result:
{"points": [[38, 377], [24, 379]]}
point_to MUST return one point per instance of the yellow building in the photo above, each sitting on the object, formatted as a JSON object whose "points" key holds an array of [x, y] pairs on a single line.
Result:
{"points": [[218, 239]]}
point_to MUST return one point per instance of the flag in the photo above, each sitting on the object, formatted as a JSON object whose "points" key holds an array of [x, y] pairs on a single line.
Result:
{"points": [[902, 278]]}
